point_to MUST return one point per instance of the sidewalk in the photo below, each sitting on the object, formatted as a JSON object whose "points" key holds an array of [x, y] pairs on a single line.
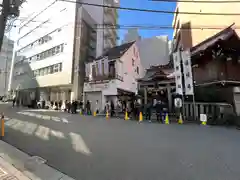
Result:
{"points": [[16, 165], [8, 171]]}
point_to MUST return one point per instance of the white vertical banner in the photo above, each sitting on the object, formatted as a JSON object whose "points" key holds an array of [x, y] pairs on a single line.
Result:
{"points": [[178, 72], [90, 71], [106, 70], [187, 70]]}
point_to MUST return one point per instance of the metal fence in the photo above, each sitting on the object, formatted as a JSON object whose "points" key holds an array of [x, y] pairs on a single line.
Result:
{"points": [[217, 113]]}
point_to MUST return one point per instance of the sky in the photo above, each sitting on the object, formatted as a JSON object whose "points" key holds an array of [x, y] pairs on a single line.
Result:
{"points": [[146, 18], [131, 18]]}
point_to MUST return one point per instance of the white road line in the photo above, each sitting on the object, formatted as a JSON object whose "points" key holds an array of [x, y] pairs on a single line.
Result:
{"points": [[65, 120]]}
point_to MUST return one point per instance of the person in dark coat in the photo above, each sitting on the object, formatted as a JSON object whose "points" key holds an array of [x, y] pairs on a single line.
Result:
{"points": [[13, 102], [68, 106], [159, 111], [88, 108], [112, 109], [74, 107], [148, 111]]}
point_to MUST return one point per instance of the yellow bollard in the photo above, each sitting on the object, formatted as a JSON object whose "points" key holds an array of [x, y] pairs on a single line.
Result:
{"points": [[80, 112], [140, 117], [94, 113], [2, 126], [126, 116], [180, 120], [166, 119], [107, 115], [204, 123]]}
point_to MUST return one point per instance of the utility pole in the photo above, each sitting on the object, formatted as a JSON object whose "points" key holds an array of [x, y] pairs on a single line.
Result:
{"points": [[3, 19]]}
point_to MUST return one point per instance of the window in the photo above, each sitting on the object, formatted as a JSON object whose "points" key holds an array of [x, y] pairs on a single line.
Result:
{"points": [[55, 68], [137, 70], [42, 40], [50, 52], [133, 62], [48, 70]]}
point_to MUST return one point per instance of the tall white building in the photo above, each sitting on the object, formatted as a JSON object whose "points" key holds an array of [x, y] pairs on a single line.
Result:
{"points": [[5, 64], [153, 51], [55, 40]]}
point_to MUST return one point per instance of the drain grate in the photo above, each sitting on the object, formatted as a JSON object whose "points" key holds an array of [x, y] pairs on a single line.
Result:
{"points": [[2, 172]]}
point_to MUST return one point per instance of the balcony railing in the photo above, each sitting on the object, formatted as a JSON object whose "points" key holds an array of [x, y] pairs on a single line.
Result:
{"points": [[101, 78]]}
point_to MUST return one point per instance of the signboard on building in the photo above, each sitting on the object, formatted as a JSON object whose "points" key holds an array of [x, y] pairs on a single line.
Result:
{"points": [[178, 72], [187, 70]]}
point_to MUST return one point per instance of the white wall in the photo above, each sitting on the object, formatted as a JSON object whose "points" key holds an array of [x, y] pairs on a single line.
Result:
{"points": [[129, 73], [125, 70], [59, 14]]}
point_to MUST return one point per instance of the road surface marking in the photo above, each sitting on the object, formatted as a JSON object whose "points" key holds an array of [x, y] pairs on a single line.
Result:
{"points": [[45, 117], [57, 134], [42, 132], [65, 120], [78, 144]]}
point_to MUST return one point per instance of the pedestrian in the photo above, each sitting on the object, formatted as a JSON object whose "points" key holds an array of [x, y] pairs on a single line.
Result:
{"points": [[112, 108], [14, 100], [68, 106], [148, 111], [97, 107], [107, 107], [137, 109], [88, 108], [159, 111]]}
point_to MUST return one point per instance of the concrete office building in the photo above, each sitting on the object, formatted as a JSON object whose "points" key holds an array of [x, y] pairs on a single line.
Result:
{"points": [[192, 29], [110, 18], [5, 64], [55, 40], [153, 51]]}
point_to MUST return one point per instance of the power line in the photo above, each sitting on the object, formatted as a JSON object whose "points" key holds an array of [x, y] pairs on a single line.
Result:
{"points": [[150, 10], [154, 27], [40, 12], [197, 1]]}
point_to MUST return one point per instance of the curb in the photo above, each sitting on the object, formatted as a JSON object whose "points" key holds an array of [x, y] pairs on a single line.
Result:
{"points": [[34, 168]]}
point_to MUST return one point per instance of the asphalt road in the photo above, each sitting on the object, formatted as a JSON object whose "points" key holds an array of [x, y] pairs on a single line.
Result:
{"points": [[88, 148]]}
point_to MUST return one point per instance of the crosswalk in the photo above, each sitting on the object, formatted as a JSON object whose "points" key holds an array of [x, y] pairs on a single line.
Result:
{"points": [[44, 117]]}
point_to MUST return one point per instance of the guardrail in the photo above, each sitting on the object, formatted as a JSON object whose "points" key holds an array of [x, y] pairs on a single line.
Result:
{"points": [[217, 113]]}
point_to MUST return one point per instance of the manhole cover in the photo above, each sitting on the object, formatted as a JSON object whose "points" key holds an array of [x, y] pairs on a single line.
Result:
{"points": [[2, 172]]}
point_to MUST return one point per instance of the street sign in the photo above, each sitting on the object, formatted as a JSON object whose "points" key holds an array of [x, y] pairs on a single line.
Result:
{"points": [[203, 117], [178, 102], [178, 72], [187, 70]]}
